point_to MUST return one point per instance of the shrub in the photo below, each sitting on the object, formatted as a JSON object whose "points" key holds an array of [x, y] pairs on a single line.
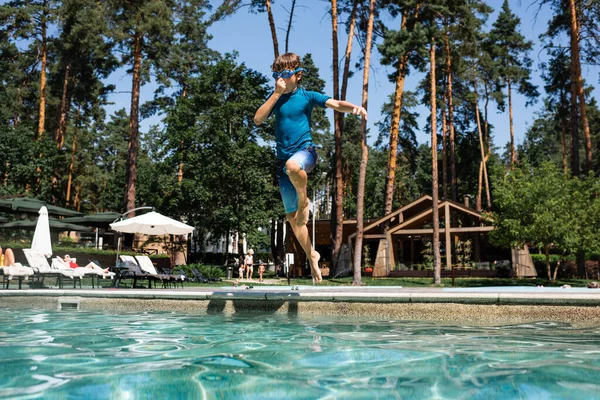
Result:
{"points": [[210, 271]]}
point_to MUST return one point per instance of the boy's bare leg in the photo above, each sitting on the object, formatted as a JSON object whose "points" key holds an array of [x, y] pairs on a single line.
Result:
{"points": [[301, 233], [299, 178]]}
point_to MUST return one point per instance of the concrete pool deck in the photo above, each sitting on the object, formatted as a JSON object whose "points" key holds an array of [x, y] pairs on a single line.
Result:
{"points": [[460, 305]]}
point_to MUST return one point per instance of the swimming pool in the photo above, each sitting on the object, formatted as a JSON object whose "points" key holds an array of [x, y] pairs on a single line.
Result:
{"points": [[88, 354]]}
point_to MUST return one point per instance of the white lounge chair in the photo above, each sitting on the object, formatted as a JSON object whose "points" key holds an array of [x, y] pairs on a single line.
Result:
{"points": [[92, 269], [40, 265], [17, 271], [146, 265], [135, 272]]}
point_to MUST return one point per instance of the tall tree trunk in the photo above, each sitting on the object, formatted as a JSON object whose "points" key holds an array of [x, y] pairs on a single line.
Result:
{"points": [[181, 148], [444, 150], [132, 150], [563, 142], [486, 124], [44, 57], [346, 72], [574, 91], [574, 130], [273, 29], [180, 168], [452, 140], [289, 27], [390, 180], [578, 81], [273, 239], [280, 243], [73, 150], [77, 200], [59, 137], [337, 219], [437, 260], [482, 147], [511, 126], [360, 197], [479, 188]]}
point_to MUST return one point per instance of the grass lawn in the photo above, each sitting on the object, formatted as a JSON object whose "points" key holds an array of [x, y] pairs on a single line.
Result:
{"points": [[410, 282]]}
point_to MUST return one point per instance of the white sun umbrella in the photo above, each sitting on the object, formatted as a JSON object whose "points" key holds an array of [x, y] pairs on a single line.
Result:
{"points": [[152, 223], [41, 242]]}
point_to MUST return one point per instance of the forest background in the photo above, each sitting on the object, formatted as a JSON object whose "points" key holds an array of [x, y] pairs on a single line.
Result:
{"points": [[110, 105]]}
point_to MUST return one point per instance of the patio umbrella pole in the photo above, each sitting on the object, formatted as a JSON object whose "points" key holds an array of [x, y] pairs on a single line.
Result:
{"points": [[120, 233], [118, 247]]}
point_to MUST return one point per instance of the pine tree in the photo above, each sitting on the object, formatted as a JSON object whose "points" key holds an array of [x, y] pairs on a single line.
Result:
{"points": [[510, 50], [143, 32], [396, 49]]}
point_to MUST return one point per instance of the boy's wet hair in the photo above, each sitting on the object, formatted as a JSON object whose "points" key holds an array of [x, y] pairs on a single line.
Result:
{"points": [[289, 61]]}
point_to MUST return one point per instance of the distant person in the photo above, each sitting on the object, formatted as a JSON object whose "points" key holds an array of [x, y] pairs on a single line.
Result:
{"points": [[71, 262], [7, 258], [241, 271], [261, 270], [249, 261]]}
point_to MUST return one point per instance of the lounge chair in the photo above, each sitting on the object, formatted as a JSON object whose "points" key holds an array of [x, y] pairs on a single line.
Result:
{"points": [[204, 279], [40, 265], [92, 269], [17, 271], [182, 275], [146, 265], [176, 276], [132, 270]]}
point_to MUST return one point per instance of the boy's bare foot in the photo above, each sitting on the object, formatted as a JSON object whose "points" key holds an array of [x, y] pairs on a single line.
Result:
{"points": [[314, 266], [303, 213]]}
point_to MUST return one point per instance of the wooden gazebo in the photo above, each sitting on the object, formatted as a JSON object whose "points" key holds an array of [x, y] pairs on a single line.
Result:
{"points": [[402, 243]]}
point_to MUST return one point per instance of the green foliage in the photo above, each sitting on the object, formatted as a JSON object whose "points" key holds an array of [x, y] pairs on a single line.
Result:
{"points": [[209, 271], [427, 252], [463, 252], [227, 163], [366, 257], [258, 240], [509, 50], [545, 208]]}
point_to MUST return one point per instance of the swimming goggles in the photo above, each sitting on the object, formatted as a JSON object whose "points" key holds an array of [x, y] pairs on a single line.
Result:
{"points": [[286, 73]]}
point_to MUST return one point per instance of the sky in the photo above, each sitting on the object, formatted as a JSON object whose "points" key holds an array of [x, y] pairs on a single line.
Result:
{"points": [[249, 35]]}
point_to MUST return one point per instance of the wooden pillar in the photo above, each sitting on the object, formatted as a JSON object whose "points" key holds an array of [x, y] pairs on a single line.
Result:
{"points": [[412, 251], [477, 246], [391, 256], [448, 241]]}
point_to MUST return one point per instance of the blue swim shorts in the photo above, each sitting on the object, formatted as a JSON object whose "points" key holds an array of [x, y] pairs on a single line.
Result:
{"points": [[307, 159]]}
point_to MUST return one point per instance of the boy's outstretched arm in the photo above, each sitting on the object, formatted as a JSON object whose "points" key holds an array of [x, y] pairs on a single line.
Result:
{"points": [[346, 107], [263, 112]]}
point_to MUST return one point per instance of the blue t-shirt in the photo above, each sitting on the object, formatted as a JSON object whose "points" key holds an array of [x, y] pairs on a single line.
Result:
{"points": [[292, 120]]}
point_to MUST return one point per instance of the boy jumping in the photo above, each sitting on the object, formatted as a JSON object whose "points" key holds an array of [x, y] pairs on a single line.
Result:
{"points": [[296, 154]]}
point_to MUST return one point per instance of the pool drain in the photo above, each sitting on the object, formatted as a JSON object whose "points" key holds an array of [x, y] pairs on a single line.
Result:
{"points": [[68, 304]]}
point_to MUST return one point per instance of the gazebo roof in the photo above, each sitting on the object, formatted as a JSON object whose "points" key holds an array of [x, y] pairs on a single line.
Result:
{"points": [[416, 215]]}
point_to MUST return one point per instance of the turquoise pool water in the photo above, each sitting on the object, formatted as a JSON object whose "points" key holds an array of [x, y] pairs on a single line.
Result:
{"points": [[94, 355]]}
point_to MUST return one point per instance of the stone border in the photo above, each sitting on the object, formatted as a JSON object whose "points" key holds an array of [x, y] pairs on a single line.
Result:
{"points": [[341, 294], [430, 305]]}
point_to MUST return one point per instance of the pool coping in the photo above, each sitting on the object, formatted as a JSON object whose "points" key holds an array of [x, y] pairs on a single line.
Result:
{"points": [[331, 294]]}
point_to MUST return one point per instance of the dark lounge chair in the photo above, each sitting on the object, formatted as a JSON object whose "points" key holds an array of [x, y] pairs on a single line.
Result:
{"points": [[131, 270], [198, 277], [204, 279]]}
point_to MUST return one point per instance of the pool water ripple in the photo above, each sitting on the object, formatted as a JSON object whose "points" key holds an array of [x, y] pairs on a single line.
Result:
{"points": [[87, 355]]}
